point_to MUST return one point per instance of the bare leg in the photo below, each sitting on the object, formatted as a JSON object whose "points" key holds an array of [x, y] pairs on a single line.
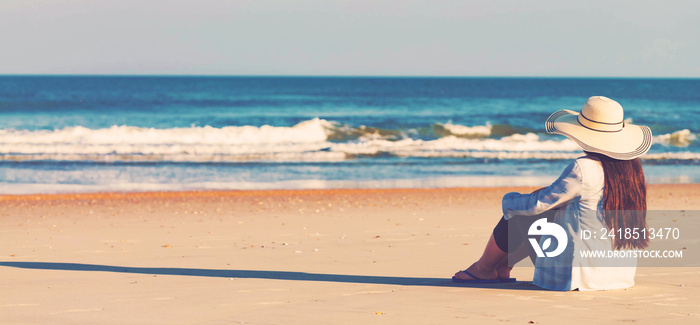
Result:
{"points": [[503, 269], [512, 258], [493, 264]]}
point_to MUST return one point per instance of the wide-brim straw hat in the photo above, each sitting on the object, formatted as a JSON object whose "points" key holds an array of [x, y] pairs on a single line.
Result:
{"points": [[600, 127]]}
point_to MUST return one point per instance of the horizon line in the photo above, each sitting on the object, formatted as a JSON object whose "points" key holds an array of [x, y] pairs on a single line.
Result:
{"points": [[338, 76]]}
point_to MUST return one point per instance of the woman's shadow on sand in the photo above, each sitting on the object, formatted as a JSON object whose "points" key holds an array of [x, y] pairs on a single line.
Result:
{"points": [[271, 275]]}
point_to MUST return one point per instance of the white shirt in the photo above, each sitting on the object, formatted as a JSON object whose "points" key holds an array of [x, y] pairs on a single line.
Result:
{"points": [[578, 197]]}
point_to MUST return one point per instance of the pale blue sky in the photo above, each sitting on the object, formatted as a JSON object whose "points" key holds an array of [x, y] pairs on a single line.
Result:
{"points": [[359, 37]]}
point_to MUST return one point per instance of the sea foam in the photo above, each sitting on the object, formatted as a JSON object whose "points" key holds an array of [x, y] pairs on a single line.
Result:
{"points": [[311, 140]]}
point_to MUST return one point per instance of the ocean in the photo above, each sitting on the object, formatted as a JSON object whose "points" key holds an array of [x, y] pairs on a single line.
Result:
{"points": [[142, 133]]}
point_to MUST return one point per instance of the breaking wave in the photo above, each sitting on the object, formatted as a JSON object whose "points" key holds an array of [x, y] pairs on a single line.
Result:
{"points": [[311, 140], [682, 138]]}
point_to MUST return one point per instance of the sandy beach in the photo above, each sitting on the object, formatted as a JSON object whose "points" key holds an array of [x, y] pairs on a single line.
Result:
{"points": [[295, 257]]}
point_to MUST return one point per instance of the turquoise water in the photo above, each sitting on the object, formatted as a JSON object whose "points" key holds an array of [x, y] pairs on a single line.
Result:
{"points": [[64, 134]]}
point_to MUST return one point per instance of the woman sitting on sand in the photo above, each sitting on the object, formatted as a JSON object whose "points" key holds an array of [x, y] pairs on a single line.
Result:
{"points": [[603, 190]]}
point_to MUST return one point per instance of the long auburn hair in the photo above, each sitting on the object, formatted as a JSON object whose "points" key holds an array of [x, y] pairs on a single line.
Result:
{"points": [[625, 200]]}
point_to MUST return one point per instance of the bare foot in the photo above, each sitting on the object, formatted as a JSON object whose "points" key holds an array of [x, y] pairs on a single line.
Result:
{"points": [[477, 271], [504, 271]]}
